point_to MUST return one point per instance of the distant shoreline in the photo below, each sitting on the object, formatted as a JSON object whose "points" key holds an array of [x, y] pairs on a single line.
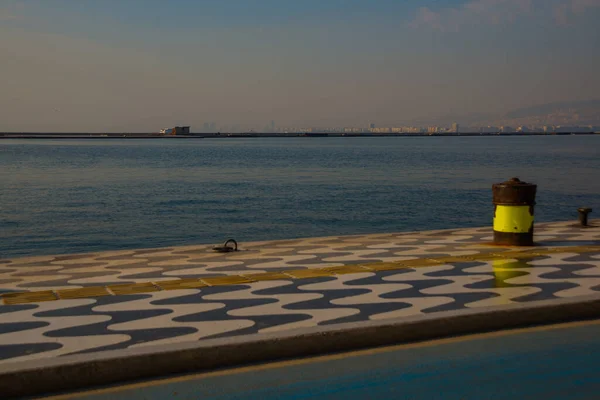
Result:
{"points": [[97, 136]]}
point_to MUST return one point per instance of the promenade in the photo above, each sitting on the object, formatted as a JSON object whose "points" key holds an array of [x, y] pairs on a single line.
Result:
{"points": [[72, 305], [132, 298]]}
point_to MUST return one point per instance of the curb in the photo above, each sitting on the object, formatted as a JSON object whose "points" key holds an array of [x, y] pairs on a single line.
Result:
{"points": [[46, 376]]}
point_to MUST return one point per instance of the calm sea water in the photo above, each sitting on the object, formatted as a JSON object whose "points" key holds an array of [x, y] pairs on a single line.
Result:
{"points": [[65, 196]]}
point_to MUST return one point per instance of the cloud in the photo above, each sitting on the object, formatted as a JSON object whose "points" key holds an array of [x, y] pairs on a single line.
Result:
{"points": [[474, 11], [496, 12], [426, 17], [6, 16], [8, 10], [566, 11], [581, 6]]}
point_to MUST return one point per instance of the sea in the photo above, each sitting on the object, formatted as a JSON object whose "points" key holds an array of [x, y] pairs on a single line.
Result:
{"points": [[61, 196]]}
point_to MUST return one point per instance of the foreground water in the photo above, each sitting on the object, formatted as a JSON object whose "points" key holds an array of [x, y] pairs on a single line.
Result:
{"points": [[66, 196], [554, 364]]}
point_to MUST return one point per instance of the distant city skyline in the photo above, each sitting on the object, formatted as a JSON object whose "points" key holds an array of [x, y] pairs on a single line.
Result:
{"points": [[373, 128], [144, 65], [566, 116]]}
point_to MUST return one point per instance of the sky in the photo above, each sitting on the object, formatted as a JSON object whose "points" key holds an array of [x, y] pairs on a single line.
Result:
{"points": [[143, 65]]}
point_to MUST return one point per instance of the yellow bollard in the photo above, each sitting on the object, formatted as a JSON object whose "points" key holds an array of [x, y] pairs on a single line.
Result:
{"points": [[514, 203]]}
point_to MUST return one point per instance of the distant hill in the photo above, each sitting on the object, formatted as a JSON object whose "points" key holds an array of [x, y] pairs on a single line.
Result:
{"points": [[553, 108], [565, 113], [465, 119]]}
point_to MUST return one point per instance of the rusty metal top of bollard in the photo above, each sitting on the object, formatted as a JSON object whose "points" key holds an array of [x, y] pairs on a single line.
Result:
{"points": [[514, 181], [514, 192]]}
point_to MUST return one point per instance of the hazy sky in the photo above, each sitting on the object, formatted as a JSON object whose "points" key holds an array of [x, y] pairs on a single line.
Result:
{"points": [[140, 65]]}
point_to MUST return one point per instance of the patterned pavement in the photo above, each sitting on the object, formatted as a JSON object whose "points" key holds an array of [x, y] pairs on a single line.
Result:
{"points": [[119, 299]]}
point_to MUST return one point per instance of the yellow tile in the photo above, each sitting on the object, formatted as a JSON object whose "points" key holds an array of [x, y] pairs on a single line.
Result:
{"points": [[29, 297], [422, 262], [453, 259], [17, 294], [82, 293], [485, 257], [346, 269], [552, 250], [133, 288], [387, 266], [34, 293], [268, 276], [566, 249], [308, 273], [586, 249], [523, 250], [226, 280], [518, 254], [581, 249], [188, 283], [570, 249], [533, 254]]}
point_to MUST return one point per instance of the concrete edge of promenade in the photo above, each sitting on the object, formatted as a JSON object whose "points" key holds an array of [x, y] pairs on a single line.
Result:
{"points": [[253, 245], [68, 373]]}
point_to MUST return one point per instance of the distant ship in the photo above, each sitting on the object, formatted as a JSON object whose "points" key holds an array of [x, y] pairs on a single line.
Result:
{"points": [[250, 134], [314, 134]]}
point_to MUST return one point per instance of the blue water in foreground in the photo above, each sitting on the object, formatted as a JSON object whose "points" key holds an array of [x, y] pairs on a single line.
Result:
{"points": [[552, 365], [66, 196]]}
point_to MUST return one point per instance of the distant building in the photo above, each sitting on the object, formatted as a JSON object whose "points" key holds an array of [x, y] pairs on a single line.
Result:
{"points": [[372, 126], [455, 127], [573, 129], [180, 130], [490, 129], [411, 129], [206, 127], [381, 130]]}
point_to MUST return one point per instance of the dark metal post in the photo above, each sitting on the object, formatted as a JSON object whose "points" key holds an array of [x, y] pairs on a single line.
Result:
{"points": [[583, 215]]}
